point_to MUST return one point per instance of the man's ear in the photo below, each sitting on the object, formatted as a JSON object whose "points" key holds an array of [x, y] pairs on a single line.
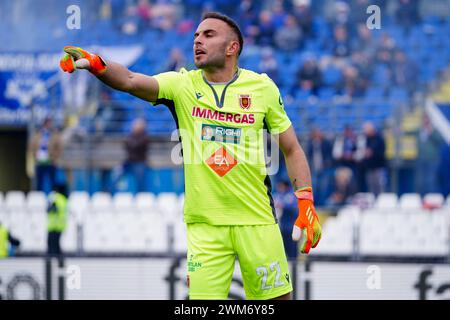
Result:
{"points": [[233, 48]]}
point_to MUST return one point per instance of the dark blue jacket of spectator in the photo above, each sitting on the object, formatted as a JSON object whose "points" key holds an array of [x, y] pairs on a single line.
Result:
{"points": [[326, 153], [377, 159], [444, 170]]}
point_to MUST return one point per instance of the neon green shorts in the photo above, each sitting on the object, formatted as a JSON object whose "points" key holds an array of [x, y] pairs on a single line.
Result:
{"points": [[212, 251]]}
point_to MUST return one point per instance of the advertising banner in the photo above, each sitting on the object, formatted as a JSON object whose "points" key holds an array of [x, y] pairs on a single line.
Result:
{"points": [[164, 278]]}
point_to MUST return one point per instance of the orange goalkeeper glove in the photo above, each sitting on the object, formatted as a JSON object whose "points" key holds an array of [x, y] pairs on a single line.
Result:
{"points": [[307, 226], [77, 58]]}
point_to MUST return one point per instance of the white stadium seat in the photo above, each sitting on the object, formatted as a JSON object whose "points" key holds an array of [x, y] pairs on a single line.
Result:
{"points": [[363, 200], [124, 233], [95, 233], [101, 202], [124, 202], [337, 238], [36, 202], [78, 204], [37, 233], [145, 202], [417, 233], [4, 217], [15, 201], [338, 233], [410, 201], [156, 236], [31, 230], [433, 200], [167, 201], [168, 205], [78, 200], [69, 236], [180, 237], [386, 201], [181, 203]]}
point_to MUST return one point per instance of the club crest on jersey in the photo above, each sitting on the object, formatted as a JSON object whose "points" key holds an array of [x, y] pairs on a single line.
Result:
{"points": [[245, 101]]}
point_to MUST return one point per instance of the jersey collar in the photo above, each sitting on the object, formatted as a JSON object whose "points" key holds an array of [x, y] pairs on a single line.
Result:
{"points": [[219, 103]]}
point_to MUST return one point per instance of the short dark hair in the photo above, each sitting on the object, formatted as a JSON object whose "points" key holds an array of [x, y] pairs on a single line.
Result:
{"points": [[230, 22]]}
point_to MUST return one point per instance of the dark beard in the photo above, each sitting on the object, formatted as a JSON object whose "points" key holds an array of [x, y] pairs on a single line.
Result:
{"points": [[214, 62]]}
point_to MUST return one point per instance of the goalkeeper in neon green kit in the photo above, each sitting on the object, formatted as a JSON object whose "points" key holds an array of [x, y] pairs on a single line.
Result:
{"points": [[229, 211]]}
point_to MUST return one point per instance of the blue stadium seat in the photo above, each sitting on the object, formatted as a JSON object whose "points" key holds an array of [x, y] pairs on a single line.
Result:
{"points": [[345, 110], [374, 94], [331, 76], [398, 95], [326, 93], [380, 75], [302, 95]]}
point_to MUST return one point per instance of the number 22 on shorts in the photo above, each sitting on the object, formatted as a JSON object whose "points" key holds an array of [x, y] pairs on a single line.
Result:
{"points": [[262, 271]]}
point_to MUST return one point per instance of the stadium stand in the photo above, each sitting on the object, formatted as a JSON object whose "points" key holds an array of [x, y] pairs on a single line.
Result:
{"points": [[427, 38], [386, 225], [385, 229]]}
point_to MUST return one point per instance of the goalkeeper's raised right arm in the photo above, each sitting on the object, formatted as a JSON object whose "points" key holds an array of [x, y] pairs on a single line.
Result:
{"points": [[112, 74]]}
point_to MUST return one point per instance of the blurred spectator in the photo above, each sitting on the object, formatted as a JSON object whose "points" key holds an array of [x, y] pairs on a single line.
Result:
{"points": [[265, 30], [135, 165], [185, 27], [404, 72], [429, 143], [444, 170], [109, 118], [269, 64], [309, 77], [247, 18], [319, 153], [364, 67], [226, 6], [193, 8], [56, 219], [289, 36], [287, 211], [385, 50], [358, 11], [164, 15], [144, 12], [343, 188], [8, 243], [363, 41], [331, 69], [46, 148], [344, 149], [303, 14], [129, 22], [352, 84], [340, 43], [279, 14], [71, 131], [407, 13], [105, 10], [374, 161], [109, 115], [176, 60], [341, 14], [384, 62]]}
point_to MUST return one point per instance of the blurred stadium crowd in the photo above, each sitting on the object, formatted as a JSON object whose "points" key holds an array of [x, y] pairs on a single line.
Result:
{"points": [[335, 74], [356, 97]]}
